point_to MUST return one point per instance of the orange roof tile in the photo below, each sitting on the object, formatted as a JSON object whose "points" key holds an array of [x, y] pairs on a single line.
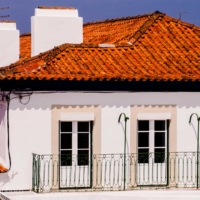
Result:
{"points": [[163, 49], [2, 169], [25, 46], [114, 30]]}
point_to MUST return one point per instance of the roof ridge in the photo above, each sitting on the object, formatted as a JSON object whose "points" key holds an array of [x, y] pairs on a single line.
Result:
{"points": [[59, 49], [12, 65], [52, 53], [25, 34], [118, 19], [55, 51], [187, 24], [152, 19]]}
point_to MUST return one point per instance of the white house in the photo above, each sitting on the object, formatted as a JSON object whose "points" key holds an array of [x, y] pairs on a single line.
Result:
{"points": [[61, 99]]}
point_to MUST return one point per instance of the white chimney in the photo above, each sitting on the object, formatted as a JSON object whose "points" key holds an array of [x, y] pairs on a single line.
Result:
{"points": [[9, 43], [53, 26]]}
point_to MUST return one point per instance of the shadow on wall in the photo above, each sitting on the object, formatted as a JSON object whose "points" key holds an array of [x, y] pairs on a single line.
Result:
{"points": [[6, 178], [43, 101], [194, 129]]}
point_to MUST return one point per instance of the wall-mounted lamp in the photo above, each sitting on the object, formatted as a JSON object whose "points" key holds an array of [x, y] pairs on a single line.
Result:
{"points": [[198, 119], [125, 120]]}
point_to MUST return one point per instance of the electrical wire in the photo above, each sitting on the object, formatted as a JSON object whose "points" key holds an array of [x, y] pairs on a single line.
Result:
{"points": [[27, 91], [8, 130], [23, 93], [20, 99]]}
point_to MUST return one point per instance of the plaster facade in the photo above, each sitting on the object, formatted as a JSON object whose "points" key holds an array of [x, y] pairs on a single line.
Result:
{"points": [[32, 125]]}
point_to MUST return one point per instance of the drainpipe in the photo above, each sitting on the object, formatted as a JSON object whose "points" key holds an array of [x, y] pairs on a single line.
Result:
{"points": [[125, 120], [198, 119]]}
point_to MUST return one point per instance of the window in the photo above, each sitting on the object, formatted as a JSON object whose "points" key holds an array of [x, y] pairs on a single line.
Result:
{"points": [[152, 140], [75, 140]]}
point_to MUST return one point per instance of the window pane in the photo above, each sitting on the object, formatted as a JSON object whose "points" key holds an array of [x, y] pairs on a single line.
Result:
{"points": [[159, 156], [66, 141], [66, 126], [83, 157], [66, 158], [83, 140], [83, 126], [159, 139], [143, 139], [143, 125], [159, 125], [143, 155]]}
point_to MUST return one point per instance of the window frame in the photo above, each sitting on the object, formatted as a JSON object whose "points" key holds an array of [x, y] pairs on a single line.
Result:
{"points": [[74, 148], [152, 146]]}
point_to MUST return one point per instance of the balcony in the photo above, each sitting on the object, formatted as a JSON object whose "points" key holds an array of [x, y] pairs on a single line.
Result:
{"points": [[113, 172]]}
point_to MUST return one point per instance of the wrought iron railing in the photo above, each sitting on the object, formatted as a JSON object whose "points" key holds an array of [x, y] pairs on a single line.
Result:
{"points": [[108, 172]]}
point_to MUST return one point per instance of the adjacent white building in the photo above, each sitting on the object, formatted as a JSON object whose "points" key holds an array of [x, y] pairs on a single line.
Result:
{"points": [[9, 40]]}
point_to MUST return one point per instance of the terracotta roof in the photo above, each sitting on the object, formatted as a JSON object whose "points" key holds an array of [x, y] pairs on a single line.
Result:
{"points": [[25, 46], [163, 49], [106, 31], [114, 30]]}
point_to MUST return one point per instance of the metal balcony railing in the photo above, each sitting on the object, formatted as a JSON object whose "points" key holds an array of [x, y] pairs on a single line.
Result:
{"points": [[109, 172]]}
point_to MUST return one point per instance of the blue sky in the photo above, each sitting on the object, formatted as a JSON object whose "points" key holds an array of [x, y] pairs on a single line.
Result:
{"points": [[93, 10]]}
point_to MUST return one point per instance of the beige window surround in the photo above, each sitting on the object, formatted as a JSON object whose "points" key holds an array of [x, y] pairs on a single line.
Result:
{"points": [[154, 112], [77, 116], [77, 113], [154, 116]]}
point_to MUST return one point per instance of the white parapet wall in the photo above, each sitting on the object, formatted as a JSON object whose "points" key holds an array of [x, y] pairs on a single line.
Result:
{"points": [[9, 42], [53, 27]]}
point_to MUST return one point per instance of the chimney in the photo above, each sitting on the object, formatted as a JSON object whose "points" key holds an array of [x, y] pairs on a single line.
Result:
{"points": [[53, 26], [9, 43]]}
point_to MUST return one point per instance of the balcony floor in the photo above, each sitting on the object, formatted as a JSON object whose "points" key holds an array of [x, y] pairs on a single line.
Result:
{"points": [[179, 194]]}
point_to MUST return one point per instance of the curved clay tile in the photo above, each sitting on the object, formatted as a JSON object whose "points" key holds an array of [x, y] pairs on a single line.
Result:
{"points": [[3, 169]]}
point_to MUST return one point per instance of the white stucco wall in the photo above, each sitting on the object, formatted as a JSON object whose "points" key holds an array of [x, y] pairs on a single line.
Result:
{"points": [[9, 42], [50, 28], [30, 125]]}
